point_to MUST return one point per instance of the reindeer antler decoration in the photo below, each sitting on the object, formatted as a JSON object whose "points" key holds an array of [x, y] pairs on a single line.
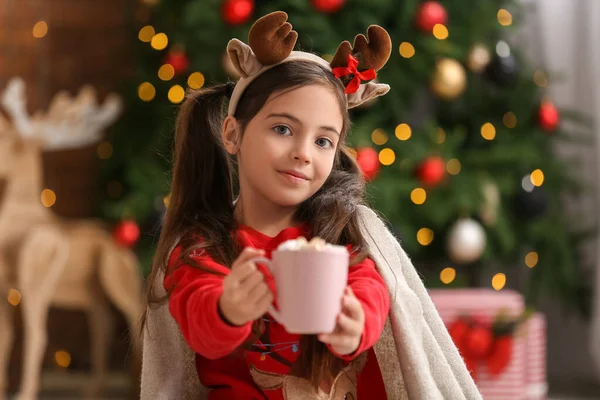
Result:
{"points": [[69, 122], [271, 42], [271, 38], [371, 55], [375, 51]]}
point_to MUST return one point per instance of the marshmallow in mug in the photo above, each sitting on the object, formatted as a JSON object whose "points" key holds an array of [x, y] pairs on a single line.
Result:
{"points": [[315, 243]]}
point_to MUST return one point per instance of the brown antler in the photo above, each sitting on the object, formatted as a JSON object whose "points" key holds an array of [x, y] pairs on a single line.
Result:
{"points": [[271, 38], [374, 52]]}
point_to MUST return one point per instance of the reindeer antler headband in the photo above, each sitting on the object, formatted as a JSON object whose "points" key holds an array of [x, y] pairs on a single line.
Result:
{"points": [[270, 43]]}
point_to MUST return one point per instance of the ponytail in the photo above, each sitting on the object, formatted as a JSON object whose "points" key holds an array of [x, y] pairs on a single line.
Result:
{"points": [[201, 199]]}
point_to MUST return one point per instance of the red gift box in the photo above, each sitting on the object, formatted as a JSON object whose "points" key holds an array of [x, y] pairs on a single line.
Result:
{"points": [[522, 375]]}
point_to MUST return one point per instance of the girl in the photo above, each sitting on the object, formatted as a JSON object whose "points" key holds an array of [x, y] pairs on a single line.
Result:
{"points": [[283, 140]]}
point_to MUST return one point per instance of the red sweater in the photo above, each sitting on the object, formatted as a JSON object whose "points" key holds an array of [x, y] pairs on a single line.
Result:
{"points": [[225, 369]]}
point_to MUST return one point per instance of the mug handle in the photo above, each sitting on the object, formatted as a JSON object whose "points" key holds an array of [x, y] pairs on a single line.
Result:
{"points": [[272, 310]]}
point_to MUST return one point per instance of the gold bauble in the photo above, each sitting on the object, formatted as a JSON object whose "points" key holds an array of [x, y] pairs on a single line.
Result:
{"points": [[449, 79], [229, 68], [479, 57]]}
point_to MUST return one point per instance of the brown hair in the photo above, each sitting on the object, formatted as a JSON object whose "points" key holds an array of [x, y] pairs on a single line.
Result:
{"points": [[203, 190]]}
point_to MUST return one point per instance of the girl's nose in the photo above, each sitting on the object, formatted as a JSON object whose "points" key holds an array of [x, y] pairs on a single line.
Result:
{"points": [[301, 152]]}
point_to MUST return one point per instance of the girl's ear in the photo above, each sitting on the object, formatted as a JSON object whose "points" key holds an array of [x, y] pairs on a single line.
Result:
{"points": [[231, 135]]}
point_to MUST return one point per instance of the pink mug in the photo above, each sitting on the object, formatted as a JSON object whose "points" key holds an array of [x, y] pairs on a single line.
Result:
{"points": [[310, 285]]}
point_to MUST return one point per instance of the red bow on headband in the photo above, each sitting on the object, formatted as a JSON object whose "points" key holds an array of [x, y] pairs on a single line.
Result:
{"points": [[351, 69]]}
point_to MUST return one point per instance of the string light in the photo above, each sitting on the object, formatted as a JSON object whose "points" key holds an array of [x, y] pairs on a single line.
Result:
{"points": [[146, 91], [146, 33], [159, 41], [167, 200], [440, 136], [40, 29], [14, 297], [418, 196], [48, 198], [379, 137], [176, 94], [499, 281], [407, 50], [62, 358], [510, 120], [503, 49], [166, 72], [504, 17], [488, 131], [453, 166], [537, 177], [104, 150], [403, 132], [440, 31], [425, 236], [526, 184], [196, 80], [387, 156], [448, 275], [531, 259]]}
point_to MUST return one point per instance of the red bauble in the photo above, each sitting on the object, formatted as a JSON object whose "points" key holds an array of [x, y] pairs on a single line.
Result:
{"points": [[500, 355], [548, 116], [478, 342], [431, 171], [368, 160], [429, 14], [127, 233], [328, 6], [458, 331], [237, 12], [178, 60]]}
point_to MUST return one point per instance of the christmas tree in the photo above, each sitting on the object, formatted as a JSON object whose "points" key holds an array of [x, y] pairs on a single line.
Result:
{"points": [[458, 155]]}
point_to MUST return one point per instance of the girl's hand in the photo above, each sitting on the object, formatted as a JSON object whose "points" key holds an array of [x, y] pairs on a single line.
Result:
{"points": [[246, 296], [346, 337]]}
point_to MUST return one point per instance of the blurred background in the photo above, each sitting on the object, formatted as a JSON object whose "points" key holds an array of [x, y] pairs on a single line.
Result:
{"points": [[483, 158]]}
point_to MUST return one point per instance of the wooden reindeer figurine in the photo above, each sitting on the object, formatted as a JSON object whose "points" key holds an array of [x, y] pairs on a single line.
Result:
{"points": [[71, 264]]}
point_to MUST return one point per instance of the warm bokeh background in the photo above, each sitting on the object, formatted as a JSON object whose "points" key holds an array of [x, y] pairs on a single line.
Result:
{"points": [[483, 157]]}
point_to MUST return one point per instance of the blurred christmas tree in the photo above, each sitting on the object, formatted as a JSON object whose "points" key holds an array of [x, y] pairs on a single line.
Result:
{"points": [[458, 154]]}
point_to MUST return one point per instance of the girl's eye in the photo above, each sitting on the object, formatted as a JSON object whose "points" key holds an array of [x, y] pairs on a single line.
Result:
{"points": [[282, 130], [324, 143]]}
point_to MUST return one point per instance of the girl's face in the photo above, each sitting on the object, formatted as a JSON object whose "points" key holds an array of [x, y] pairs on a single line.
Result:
{"points": [[288, 148]]}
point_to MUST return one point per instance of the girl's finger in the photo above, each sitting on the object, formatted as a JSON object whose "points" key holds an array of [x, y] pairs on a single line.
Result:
{"points": [[258, 292], [351, 306], [325, 337], [242, 272], [262, 306], [349, 326], [246, 255], [251, 281], [336, 340]]}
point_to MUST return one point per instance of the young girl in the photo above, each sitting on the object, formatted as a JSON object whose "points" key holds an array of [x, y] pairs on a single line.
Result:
{"points": [[275, 168]]}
